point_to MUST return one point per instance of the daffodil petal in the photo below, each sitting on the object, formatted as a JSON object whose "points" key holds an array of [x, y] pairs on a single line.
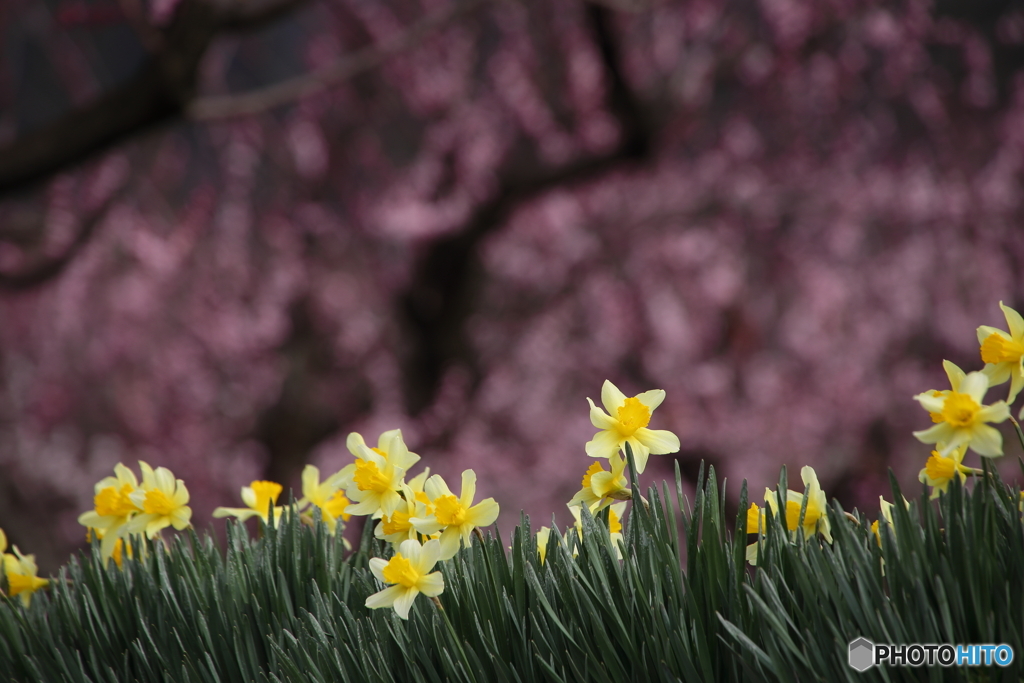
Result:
{"points": [[954, 373], [997, 412], [652, 399], [432, 584], [987, 441], [483, 513], [404, 600], [659, 441], [1014, 321], [604, 444], [940, 432], [385, 598], [601, 419], [611, 397]]}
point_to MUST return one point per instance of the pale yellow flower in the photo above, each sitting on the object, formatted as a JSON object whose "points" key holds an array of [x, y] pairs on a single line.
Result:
{"points": [[390, 446], [1003, 352], [408, 574], [259, 497], [755, 524], [961, 417], [113, 508], [615, 513], [815, 517], [939, 470], [454, 517], [163, 501], [120, 549], [326, 495], [886, 510], [542, 542], [378, 474], [600, 487], [626, 422], [397, 527], [21, 573]]}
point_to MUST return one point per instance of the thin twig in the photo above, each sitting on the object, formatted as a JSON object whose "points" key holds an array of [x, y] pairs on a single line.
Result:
{"points": [[256, 101]]}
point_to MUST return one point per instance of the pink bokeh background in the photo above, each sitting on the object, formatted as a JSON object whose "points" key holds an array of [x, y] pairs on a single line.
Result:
{"points": [[784, 214]]}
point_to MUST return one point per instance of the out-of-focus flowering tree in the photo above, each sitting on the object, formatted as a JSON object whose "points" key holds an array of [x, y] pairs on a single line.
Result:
{"points": [[231, 233]]}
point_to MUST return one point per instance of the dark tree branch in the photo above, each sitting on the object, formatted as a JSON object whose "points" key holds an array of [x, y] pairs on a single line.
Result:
{"points": [[159, 92], [246, 104], [440, 297]]}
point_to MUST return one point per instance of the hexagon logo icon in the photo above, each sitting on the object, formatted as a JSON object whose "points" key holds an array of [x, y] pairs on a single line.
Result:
{"points": [[862, 654]]}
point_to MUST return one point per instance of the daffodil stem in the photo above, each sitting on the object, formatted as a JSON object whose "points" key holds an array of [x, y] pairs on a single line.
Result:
{"points": [[478, 534], [1020, 434], [437, 602], [852, 518]]}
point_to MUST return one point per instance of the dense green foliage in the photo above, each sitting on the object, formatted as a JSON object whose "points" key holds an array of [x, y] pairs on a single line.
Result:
{"points": [[289, 606]]}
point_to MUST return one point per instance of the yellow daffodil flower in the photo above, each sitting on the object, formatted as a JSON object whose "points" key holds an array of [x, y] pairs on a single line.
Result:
{"points": [[626, 422], [1003, 352], [454, 517], [939, 470], [258, 497], [755, 525], [21, 573], [886, 509], [163, 501], [113, 508], [542, 542], [397, 527], [326, 495], [121, 548], [601, 487], [615, 513], [408, 574], [961, 417], [378, 474], [815, 517], [390, 446]]}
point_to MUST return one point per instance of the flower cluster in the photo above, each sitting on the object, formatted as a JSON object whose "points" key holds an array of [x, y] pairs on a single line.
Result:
{"points": [[122, 506], [805, 513], [625, 422], [961, 419], [20, 572]]}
